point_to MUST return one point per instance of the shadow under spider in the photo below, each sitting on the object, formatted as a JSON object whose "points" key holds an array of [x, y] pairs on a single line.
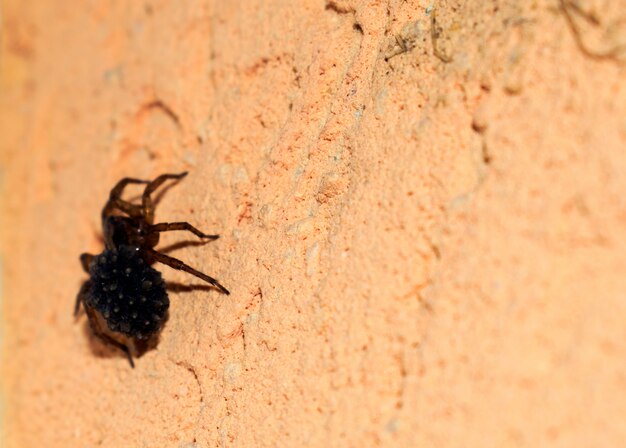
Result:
{"points": [[183, 287]]}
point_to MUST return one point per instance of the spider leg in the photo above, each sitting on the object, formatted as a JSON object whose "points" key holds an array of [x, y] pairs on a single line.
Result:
{"points": [[80, 298], [132, 210], [168, 226], [175, 263], [146, 200], [85, 261], [116, 202], [116, 191], [97, 331]]}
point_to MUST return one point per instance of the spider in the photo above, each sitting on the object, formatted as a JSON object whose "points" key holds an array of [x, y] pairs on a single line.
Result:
{"points": [[123, 288]]}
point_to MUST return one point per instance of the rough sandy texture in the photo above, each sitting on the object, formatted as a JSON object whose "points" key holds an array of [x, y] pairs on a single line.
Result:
{"points": [[421, 205]]}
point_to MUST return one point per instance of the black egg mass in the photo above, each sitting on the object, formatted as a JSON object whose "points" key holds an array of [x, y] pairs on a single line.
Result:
{"points": [[128, 293]]}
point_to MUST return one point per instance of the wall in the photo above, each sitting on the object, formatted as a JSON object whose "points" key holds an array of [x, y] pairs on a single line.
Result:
{"points": [[421, 206]]}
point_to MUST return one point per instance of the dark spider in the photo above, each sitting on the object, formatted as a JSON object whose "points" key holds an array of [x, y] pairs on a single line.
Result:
{"points": [[123, 288]]}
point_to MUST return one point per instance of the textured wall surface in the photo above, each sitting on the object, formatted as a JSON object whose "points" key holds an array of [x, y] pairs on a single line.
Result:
{"points": [[421, 205]]}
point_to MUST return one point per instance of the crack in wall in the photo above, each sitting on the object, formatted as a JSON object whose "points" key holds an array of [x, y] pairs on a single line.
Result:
{"points": [[161, 106], [190, 368]]}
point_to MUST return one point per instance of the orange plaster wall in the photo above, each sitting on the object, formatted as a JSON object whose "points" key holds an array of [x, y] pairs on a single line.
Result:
{"points": [[421, 205]]}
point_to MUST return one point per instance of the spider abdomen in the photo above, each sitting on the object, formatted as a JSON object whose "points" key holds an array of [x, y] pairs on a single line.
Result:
{"points": [[128, 293]]}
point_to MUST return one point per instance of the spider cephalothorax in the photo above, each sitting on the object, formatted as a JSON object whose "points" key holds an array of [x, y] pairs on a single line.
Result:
{"points": [[123, 287]]}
